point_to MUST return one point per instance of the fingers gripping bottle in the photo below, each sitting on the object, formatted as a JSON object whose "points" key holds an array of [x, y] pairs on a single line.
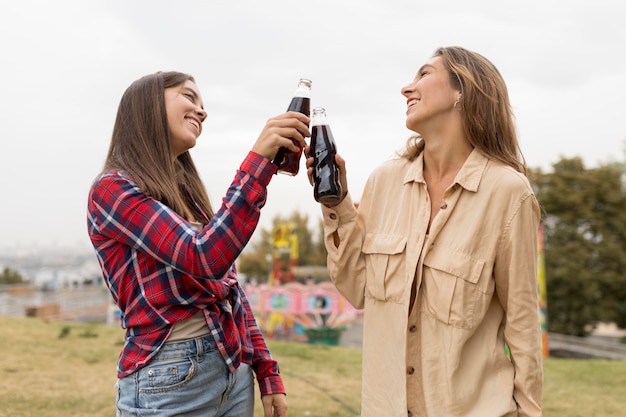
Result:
{"points": [[326, 181], [287, 161]]}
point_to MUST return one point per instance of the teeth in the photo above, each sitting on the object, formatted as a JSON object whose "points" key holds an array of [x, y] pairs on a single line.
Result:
{"points": [[194, 123]]}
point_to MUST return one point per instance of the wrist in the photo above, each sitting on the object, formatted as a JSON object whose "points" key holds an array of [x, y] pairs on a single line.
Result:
{"points": [[343, 197]]}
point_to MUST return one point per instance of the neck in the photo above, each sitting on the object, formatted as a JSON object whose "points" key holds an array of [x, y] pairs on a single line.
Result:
{"points": [[442, 160]]}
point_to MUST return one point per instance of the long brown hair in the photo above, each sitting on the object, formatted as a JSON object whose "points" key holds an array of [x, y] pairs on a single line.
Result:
{"points": [[488, 120], [140, 146]]}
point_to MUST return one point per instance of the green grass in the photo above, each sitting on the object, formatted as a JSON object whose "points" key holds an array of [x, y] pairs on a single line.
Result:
{"points": [[61, 369], [584, 388]]}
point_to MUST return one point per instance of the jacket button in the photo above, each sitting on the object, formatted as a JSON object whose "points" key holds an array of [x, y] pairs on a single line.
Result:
{"points": [[332, 216], [444, 206], [410, 370], [413, 328]]}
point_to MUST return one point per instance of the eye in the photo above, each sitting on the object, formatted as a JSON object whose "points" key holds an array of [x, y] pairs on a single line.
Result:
{"points": [[189, 96], [423, 73]]}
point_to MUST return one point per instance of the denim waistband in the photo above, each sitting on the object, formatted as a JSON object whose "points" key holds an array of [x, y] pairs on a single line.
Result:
{"points": [[186, 348]]}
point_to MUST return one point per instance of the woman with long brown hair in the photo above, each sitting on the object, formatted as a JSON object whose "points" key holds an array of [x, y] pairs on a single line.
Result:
{"points": [[192, 342]]}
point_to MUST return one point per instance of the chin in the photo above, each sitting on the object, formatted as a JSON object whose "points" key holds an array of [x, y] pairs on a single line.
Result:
{"points": [[191, 144], [411, 126]]}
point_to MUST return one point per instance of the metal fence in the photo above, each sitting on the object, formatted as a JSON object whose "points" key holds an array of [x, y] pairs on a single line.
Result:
{"points": [[88, 303]]}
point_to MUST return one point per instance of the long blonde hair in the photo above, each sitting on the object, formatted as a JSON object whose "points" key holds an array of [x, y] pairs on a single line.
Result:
{"points": [[488, 120]]}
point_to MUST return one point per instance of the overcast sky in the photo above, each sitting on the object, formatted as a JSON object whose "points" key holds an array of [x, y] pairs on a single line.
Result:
{"points": [[66, 63]]}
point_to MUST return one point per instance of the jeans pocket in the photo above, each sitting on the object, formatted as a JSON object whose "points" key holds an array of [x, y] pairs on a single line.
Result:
{"points": [[166, 376]]}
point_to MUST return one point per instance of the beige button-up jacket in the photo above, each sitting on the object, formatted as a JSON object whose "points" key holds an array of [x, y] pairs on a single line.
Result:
{"points": [[475, 275]]}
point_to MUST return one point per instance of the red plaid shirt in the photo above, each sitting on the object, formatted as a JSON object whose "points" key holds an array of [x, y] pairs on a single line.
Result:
{"points": [[160, 270]]}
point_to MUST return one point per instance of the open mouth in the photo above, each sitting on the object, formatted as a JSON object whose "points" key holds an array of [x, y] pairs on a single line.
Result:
{"points": [[195, 124]]}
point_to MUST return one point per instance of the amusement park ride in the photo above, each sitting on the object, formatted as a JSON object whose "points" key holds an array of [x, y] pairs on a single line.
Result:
{"points": [[287, 309]]}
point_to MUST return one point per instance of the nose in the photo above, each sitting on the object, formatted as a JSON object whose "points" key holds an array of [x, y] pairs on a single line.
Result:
{"points": [[407, 89], [202, 114]]}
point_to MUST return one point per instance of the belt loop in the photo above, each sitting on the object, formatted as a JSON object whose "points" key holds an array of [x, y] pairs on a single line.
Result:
{"points": [[199, 348]]}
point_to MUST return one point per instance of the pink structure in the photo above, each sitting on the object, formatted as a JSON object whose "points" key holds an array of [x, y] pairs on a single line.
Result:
{"points": [[288, 310]]}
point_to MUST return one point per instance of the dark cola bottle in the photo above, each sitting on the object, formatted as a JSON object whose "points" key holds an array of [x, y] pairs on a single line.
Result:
{"points": [[326, 183], [288, 161]]}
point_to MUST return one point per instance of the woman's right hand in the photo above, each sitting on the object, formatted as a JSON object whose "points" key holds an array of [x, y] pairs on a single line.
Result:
{"points": [[285, 130], [341, 164]]}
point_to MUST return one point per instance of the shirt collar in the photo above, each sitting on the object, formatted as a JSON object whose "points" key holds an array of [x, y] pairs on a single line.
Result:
{"points": [[468, 177]]}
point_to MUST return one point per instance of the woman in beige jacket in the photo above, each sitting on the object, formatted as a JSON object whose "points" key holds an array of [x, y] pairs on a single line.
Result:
{"points": [[442, 255]]}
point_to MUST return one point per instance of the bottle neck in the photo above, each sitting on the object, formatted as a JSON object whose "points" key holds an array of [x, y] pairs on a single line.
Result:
{"points": [[302, 92], [318, 117]]}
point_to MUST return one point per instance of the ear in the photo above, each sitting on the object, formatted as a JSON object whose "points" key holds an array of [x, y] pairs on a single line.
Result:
{"points": [[458, 101]]}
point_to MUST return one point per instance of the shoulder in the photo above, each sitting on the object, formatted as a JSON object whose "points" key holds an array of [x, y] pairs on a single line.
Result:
{"points": [[112, 176], [509, 187], [113, 180], [396, 166], [382, 175], [504, 177], [395, 163]]}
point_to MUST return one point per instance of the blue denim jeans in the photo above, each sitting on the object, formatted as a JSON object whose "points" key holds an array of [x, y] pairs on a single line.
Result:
{"points": [[187, 378]]}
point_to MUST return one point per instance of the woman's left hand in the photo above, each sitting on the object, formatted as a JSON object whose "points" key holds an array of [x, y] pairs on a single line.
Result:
{"points": [[341, 164], [275, 405]]}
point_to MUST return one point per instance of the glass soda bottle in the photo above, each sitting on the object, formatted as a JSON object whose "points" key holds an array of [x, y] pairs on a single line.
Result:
{"points": [[287, 161], [326, 182]]}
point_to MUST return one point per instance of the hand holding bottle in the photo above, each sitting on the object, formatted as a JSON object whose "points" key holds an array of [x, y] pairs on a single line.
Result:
{"points": [[327, 187], [341, 165], [287, 130], [287, 160]]}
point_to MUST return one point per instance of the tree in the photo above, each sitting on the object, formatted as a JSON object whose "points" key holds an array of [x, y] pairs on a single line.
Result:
{"points": [[10, 276], [255, 260], [584, 220]]}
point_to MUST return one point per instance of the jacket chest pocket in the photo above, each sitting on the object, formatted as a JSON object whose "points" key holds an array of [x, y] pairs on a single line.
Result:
{"points": [[385, 266], [451, 288]]}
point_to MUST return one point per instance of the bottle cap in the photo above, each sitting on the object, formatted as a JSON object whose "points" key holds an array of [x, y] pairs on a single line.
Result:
{"points": [[305, 81]]}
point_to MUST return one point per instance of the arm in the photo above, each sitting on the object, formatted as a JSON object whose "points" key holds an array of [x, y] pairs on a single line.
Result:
{"points": [[343, 239], [265, 368], [119, 211], [516, 284], [344, 233]]}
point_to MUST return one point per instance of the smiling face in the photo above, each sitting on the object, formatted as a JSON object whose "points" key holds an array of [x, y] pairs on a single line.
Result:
{"points": [[430, 97], [185, 114]]}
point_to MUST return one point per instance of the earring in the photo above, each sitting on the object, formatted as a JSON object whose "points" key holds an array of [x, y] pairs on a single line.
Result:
{"points": [[458, 100]]}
